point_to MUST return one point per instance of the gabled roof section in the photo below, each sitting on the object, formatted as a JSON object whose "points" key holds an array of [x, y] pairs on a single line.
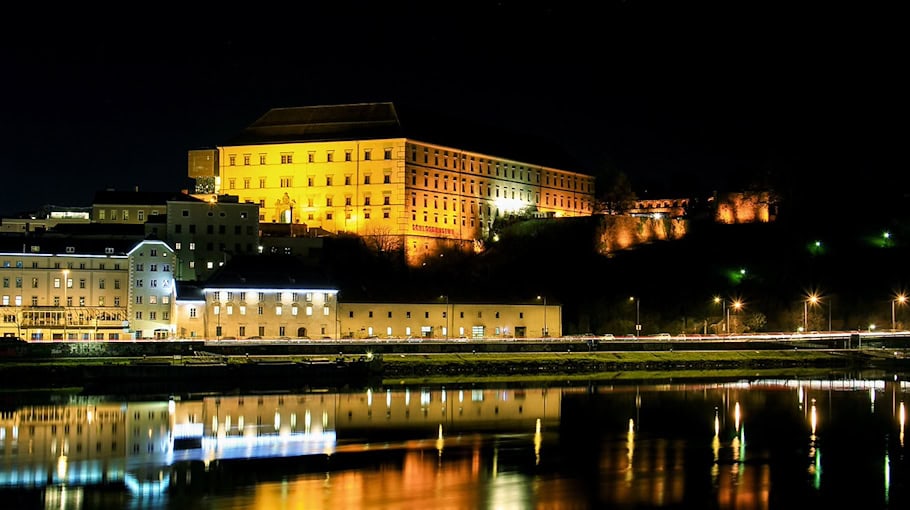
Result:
{"points": [[269, 272], [323, 123], [66, 245], [189, 291], [387, 120], [110, 197]]}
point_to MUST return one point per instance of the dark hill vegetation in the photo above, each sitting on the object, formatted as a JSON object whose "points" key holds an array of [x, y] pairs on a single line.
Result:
{"points": [[855, 270]]}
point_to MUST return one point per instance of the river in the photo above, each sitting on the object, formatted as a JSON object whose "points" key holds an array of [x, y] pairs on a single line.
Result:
{"points": [[761, 443]]}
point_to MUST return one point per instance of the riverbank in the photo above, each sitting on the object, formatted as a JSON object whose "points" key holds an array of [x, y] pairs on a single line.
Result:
{"points": [[220, 372], [657, 365]]}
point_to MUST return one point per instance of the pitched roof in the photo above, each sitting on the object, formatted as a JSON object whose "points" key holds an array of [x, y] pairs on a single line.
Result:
{"points": [[49, 244], [388, 120], [141, 197], [268, 271]]}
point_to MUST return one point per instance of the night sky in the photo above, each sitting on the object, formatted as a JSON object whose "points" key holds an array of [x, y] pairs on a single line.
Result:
{"points": [[682, 97]]}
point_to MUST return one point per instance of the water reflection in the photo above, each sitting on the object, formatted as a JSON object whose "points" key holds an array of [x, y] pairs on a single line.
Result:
{"points": [[595, 446]]}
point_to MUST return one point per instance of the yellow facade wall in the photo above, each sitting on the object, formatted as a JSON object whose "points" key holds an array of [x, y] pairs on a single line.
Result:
{"points": [[400, 193]]}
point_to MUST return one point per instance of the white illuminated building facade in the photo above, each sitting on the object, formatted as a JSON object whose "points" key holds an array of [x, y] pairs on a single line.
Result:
{"points": [[152, 290]]}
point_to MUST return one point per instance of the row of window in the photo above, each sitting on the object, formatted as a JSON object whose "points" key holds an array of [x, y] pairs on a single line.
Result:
{"points": [[72, 335], [81, 300], [104, 214], [36, 282], [501, 169], [260, 310], [229, 295], [222, 229], [287, 158], [56, 265], [426, 315], [153, 267], [153, 316], [288, 181]]}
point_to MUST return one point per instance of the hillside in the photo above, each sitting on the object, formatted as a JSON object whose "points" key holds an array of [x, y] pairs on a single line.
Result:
{"points": [[855, 270]]}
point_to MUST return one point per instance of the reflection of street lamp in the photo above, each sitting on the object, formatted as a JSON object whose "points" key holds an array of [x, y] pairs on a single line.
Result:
{"points": [[637, 315], [66, 275], [546, 330], [900, 298]]}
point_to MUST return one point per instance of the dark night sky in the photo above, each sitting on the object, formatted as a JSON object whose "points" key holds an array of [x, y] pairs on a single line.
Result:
{"points": [[680, 96]]}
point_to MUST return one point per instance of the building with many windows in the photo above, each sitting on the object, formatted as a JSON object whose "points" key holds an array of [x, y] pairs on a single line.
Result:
{"points": [[408, 180], [258, 296], [152, 291], [204, 235], [449, 320], [65, 288]]}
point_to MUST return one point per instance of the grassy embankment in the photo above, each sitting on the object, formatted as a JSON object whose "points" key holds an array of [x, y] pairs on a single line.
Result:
{"points": [[656, 365], [563, 366]]}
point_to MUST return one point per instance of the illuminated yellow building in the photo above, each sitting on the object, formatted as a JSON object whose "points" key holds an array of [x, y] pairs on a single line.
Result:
{"points": [[397, 180], [441, 320]]}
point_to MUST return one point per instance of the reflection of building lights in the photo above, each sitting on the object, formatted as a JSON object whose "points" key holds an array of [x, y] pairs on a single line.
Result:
{"points": [[813, 417], [872, 399], [715, 446], [736, 415], [903, 418], [277, 420], [61, 467], [630, 448], [440, 441], [538, 439], [887, 477]]}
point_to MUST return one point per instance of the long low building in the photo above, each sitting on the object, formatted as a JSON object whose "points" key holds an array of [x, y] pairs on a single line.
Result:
{"points": [[268, 297], [87, 289]]}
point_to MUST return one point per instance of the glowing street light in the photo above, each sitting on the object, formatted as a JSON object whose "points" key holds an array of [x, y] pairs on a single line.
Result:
{"points": [[736, 305], [637, 314], [810, 299], [723, 312], [546, 330], [899, 299]]}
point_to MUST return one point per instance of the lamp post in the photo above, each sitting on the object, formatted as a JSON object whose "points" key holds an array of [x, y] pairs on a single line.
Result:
{"points": [[637, 315], [446, 315], [66, 275], [901, 299], [724, 316], [546, 330], [736, 306], [810, 299]]}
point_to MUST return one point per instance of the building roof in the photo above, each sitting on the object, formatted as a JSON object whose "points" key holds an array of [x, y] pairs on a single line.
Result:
{"points": [[270, 272], [387, 120], [189, 291], [51, 244], [111, 197]]}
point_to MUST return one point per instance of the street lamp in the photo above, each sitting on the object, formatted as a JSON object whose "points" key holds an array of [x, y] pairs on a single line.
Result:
{"points": [[810, 299], [66, 274], [736, 306], [446, 315], [546, 330], [723, 312], [901, 299], [637, 315]]}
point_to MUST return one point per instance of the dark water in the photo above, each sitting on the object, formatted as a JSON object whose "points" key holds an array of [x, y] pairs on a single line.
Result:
{"points": [[765, 443]]}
